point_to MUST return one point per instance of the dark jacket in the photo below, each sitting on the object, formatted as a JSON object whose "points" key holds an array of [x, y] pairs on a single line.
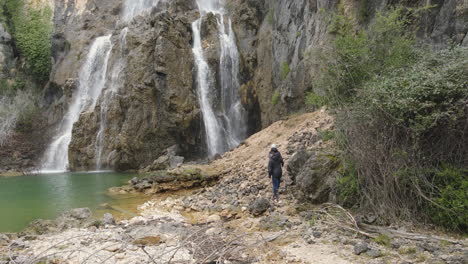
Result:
{"points": [[275, 163]]}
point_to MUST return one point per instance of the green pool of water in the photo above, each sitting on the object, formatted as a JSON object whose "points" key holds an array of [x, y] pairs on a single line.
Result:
{"points": [[26, 198]]}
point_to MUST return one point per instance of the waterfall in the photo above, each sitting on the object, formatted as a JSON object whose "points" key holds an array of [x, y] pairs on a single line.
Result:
{"points": [[116, 82], [92, 78], [133, 8], [226, 126]]}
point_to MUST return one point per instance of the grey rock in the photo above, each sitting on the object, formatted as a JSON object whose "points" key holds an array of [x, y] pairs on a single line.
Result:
{"points": [[80, 213], [374, 253], [108, 219], [360, 248], [317, 178], [176, 161], [259, 206], [296, 162], [162, 163], [317, 234], [4, 35], [429, 247], [134, 180], [4, 239], [143, 185]]}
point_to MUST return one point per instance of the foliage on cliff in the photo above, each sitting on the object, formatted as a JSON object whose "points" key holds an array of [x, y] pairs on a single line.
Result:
{"points": [[403, 112], [31, 28]]}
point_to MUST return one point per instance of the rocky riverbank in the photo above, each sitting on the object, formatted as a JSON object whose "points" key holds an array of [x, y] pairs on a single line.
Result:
{"points": [[232, 219]]}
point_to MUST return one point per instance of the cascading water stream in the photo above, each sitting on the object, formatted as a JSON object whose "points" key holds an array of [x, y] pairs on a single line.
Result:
{"points": [[225, 127], [116, 83], [92, 79]]}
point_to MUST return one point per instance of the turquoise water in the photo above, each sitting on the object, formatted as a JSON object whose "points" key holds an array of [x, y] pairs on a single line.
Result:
{"points": [[25, 198]]}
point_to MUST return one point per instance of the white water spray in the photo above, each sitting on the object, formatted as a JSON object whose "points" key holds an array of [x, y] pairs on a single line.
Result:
{"points": [[133, 8], [225, 127], [92, 79]]}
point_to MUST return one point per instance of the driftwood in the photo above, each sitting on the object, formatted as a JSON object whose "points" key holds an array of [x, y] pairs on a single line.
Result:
{"points": [[406, 235], [371, 231]]}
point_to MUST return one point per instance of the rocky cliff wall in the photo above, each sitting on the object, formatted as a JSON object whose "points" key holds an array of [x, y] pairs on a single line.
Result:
{"points": [[156, 104]]}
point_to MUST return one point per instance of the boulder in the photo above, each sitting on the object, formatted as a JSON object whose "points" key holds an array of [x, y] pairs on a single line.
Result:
{"points": [[317, 178], [144, 184], [296, 162], [360, 248], [259, 206], [108, 219], [162, 163], [134, 180], [175, 161], [80, 213]]}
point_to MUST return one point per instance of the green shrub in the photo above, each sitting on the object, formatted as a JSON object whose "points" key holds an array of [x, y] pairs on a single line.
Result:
{"points": [[326, 135], [348, 190], [402, 111], [450, 208], [275, 98], [383, 240], [315, 99], [357, 56], [285, 70], [31, 29]]}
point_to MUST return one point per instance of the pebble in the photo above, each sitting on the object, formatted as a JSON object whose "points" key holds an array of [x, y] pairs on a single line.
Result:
{"points": [[360, 248], [213, 218]]}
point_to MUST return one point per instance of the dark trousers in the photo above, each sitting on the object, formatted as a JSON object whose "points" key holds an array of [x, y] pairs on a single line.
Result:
{"points": [[276, 183]]}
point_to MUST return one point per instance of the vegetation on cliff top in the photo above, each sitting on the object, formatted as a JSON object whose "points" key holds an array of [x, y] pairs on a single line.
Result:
{"points": [[403, 116], [31, 28]]}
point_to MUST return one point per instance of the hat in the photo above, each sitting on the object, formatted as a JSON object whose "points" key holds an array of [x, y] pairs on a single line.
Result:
{"points": [[273, 146]]}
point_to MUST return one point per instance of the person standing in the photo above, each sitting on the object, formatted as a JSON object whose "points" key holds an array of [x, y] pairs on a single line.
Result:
{"points": [[275, 170]]}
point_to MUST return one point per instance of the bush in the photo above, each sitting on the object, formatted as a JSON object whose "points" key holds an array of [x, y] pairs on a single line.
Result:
{"points": [[450, 207], [315, 99], [32, 29], [403, 111], [358, 56]]}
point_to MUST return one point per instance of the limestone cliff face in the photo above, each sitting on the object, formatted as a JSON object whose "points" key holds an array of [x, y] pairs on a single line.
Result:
{"points": [[156, 103], [278, 38]]}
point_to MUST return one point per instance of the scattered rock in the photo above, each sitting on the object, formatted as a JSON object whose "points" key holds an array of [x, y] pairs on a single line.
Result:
{"points": [[134, 180], [360, 248], [259, 206], [4, 239], [80, 213], [213, 218], [374, 253], [317, 234], [143, 185], [429, 247], [108, 219]]}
